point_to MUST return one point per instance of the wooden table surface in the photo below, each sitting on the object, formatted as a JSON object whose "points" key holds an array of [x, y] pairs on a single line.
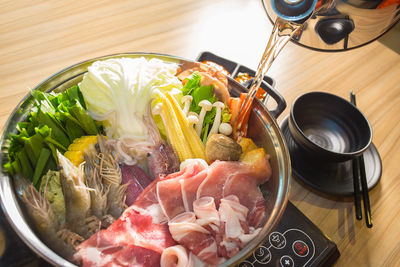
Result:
{"points": [[39, 38]]}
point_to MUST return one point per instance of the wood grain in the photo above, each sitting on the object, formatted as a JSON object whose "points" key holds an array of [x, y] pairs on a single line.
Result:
{"points": [[39, 38]]}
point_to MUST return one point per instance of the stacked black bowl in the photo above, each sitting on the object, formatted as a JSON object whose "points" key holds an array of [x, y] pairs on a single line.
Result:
{"points": [[324, 132]]}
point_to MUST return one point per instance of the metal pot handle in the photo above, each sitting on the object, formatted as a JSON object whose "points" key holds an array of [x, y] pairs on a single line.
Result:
{"points": [[280, 101]]}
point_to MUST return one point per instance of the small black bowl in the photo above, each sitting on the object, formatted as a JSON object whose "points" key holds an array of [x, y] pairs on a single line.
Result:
{"points": [[328, 127]]}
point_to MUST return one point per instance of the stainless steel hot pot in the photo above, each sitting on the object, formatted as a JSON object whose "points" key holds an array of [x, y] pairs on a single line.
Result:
{"points": [[263, 129]]}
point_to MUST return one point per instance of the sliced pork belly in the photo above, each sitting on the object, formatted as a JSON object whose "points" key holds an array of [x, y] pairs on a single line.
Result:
{"points": [[169, 195], [179, 256], [251, 198], [194, 237], [206, 213], [234, 231], [189, 189], [176, 193], [235, 178], [149, 196], [175, 256]]}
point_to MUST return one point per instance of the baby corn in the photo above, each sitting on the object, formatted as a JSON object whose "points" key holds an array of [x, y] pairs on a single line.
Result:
{"points": [[182, 137], [174, 132], [195, 143]]}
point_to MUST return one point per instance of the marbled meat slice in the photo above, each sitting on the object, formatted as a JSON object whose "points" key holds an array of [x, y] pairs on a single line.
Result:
{"points": [[169, 195], [134, 256], [189, 188], [235, 178], [133, 228], [149, 194], [176, 193], [194, 237]]}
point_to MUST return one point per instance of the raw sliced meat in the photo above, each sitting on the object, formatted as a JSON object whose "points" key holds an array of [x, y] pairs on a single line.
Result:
{"points": [[235, 178], [194, 237], [149, 195], [176, 256], [251, 198], [134, 256], [179, 256], [169, 195], [234, 215], [123, 256], [177, 191], [206, 213], [131, 229], [189, 188], [138, 180], [234, 233]]}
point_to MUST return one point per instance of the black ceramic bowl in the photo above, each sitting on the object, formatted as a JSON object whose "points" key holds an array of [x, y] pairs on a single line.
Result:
{"points": [[328, 127]]}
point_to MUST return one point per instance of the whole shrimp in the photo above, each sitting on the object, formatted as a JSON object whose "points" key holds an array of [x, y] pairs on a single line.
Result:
{"points": [[44, 219], [98, 191], [111, 176], [77, 199]]}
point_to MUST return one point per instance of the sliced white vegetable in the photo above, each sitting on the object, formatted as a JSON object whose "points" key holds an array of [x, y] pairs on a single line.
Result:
{"points": [[225, 128], [205, 106], [186, 100], [124, 86], [217, 120]]}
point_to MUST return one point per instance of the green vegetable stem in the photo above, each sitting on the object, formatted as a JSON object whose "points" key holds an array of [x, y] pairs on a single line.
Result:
{"points": [[54, 122]]}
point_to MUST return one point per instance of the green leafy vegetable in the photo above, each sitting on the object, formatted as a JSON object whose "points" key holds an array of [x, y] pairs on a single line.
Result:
{"points": [[199, 93], [53, 123]]}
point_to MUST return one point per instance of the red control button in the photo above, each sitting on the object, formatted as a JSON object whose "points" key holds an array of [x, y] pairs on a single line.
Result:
{"points": [[300, 248]]}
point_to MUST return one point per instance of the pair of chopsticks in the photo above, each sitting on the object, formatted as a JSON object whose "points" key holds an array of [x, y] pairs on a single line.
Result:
{"points": [[359, 176]]}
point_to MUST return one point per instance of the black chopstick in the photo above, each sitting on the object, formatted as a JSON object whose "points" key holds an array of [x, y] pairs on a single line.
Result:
{"points": [[356, 183], [359, 172], [364, 186]]}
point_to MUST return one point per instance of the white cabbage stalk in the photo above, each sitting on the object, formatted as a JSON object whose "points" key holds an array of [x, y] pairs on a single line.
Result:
{"points": [[118, 91]]}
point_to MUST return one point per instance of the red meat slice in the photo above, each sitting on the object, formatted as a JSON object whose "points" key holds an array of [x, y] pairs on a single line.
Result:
{"points": [[251, 198], [174, 191], [131, 256], [149, 194], [177, 195], [169, 196], [234, 178], [131, 229], [190, 187]]}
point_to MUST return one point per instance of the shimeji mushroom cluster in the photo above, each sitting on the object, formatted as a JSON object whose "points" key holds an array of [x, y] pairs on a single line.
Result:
{"points": [[197, 120]]}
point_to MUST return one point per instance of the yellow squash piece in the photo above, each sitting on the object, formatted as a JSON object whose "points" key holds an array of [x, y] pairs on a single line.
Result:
{"points": [[247, 144], [78, 146], [253, 156]]}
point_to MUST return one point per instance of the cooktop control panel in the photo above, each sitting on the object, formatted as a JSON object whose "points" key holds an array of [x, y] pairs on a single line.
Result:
{"points": [[295, 242]]}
